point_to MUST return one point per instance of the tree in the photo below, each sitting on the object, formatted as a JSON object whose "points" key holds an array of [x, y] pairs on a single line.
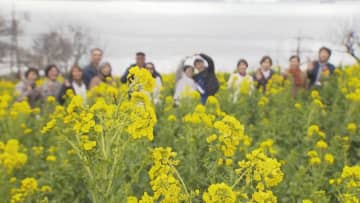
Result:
{"points": [[63, 45], [81, 41], [10, 30], [4, 29], [347, 34], [54, 48], [351, 43]]}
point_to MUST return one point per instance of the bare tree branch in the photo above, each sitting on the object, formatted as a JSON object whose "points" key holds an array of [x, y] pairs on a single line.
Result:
{"points": [[347, 34]]}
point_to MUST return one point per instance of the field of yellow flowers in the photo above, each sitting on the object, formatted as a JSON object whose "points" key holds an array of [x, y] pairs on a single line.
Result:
{"points": [[262, 148]]}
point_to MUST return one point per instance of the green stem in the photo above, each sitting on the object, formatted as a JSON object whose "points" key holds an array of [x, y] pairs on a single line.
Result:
{"points": [[239, 179], [182, 182], [310, 115]]}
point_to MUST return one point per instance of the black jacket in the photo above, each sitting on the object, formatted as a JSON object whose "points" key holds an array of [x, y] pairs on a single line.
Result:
{"points": [[61, 97], [263, 81], [207, 79], [124, 78]]}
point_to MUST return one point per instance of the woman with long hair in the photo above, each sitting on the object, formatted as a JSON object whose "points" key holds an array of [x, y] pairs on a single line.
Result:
{"points": [[75, 84]]}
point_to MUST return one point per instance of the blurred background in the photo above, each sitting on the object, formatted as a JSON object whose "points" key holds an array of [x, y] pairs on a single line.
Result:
{"points": [[38, 32]]}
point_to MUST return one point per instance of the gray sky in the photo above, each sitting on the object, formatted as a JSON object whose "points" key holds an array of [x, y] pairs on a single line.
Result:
{"points": [[169, 31]]}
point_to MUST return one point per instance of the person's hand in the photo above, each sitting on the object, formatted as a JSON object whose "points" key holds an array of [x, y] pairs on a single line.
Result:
{"points": [[286, 72], [28, 88], [310, 66], [258, 76], [51, 86], [67, 83]]}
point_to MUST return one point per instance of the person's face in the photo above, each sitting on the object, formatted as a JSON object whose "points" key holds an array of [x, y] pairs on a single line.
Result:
{"points": [[266, 65], [189, 72], [323, 56], [140, 60], [76, 74], [200, 66], [96, 56], [242, 68], [32, 76], [106, 70], [53, 73], [150, 68], [294, 63]]}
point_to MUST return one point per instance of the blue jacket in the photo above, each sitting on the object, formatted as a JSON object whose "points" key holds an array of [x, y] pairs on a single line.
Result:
{"points": [[89, 72], [312, 75]]}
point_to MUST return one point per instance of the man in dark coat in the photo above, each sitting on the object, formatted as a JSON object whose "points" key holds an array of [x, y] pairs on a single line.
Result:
{"points": [[316, 68], [91, 70], [140, 62]]}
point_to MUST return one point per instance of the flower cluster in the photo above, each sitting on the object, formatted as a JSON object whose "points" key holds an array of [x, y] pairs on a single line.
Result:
{"points": [[28, 187], [200, 116], [315, 95], [268, 146], [351, 128], [350, 84], [5, 99], [163, 176], [231, 135], [140, 79], [87, 143], [146, 198], [10, 157], [260, 169], [219, 193], [348, 184], [76, 104], [246, 87], [263, 196], [315, 130], [320, 152], [20, 108], [275, 85], [263, 101], [104, 90], [142, 116]]}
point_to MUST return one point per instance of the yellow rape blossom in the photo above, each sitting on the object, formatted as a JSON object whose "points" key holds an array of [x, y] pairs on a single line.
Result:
{"points": [[10, 157], [261, 168], [51, 158], [351, 127], [89, 145], [321, 144], [29, 187], [219, 193], [264, 197], [164, 177], [231, 135], [329, 158], [140, 79]]}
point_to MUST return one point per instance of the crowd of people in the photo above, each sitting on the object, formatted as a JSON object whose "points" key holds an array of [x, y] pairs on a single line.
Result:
{"points": [[198, 75]]}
